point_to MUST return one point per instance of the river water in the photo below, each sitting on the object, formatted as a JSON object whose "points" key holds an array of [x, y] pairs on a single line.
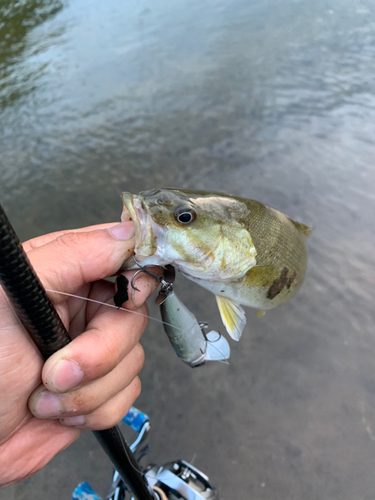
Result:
{"points": [[266, 99]]}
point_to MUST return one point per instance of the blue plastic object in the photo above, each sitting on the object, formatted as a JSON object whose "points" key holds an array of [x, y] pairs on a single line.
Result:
{"points": [[135, 419], [84, 492]]}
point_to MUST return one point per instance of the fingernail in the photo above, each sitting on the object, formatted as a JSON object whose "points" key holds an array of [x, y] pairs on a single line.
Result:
{"points": [[73, 421], [64, 375], [47, 405], [123, 231]]}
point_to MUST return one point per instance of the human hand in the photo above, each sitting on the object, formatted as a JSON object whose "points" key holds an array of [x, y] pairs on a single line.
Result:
{"points": [[90, 383]]}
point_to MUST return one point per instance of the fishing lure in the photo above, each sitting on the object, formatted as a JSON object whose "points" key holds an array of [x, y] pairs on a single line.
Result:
{"points": [[185, 333]]}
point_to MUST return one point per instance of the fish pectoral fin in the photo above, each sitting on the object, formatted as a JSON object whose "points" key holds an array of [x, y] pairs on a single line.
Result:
{"points": [[232, 315]]}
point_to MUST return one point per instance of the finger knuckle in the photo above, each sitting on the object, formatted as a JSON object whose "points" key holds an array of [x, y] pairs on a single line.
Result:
{"points": [[107, 353], [139, 355], [81, 404], [69, 239], [137, 388], [108, 417], [144, 319]]}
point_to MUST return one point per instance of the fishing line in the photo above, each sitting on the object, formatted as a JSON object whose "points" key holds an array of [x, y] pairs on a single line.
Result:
{"points": [[225, 361], [114, 307]]}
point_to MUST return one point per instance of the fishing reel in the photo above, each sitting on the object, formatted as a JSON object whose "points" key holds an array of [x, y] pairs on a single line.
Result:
{"points": [[177, 480]]}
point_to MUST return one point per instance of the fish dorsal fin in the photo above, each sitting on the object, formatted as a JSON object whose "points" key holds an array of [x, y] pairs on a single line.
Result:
{"points": [[232, 315], [302, 228]]}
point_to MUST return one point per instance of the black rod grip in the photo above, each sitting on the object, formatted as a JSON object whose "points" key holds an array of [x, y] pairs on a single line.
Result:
{"points": [[27, 295]]}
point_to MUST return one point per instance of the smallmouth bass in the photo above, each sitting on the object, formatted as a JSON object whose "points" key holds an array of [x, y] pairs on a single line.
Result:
{"points": [[244, 252]]}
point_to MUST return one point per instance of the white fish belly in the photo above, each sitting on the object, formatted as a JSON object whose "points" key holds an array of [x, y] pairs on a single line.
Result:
{"points": [[245, 295]]}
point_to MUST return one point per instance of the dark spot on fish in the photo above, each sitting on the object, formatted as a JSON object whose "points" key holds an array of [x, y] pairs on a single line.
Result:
{"points": [[280, 283], [178, 308], [121, 295], [222, 291]]}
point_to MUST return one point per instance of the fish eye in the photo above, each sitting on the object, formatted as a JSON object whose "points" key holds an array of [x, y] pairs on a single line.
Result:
{"points": [[185, 215]]}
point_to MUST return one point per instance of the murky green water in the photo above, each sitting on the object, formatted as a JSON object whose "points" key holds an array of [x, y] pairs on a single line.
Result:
{"points": [[268, 99]]}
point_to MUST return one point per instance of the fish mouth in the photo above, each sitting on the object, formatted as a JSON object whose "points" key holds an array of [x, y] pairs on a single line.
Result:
{"points": [[135, 211]]}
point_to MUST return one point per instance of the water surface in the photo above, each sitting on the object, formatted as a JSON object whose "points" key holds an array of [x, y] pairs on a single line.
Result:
{"points": [[272, 100]]}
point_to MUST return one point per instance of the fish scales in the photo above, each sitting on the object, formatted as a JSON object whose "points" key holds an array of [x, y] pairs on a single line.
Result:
{"points": [[280, 249]]}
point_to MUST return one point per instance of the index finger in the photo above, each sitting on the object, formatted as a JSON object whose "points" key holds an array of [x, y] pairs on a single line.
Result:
{"points": [[38, 241], [74, 259]]}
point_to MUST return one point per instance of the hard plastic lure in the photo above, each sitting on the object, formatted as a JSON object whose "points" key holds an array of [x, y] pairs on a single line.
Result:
{"points": [[185, 334]]}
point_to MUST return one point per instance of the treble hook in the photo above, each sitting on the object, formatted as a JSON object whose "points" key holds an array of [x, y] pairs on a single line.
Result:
{"points": [[163, 280]]}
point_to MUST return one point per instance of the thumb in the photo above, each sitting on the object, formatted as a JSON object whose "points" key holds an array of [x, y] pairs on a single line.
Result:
{"points": [[77, 258]]}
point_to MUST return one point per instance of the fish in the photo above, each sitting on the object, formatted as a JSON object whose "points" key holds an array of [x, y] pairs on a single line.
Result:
{"points": [[244, 252]]}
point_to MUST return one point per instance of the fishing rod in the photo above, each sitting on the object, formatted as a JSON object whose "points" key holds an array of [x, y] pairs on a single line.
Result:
{"points": [[32, 306]]}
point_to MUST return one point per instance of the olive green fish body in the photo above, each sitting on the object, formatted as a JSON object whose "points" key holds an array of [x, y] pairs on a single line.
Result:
{"points": [[281, 260], [245, 252]]}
